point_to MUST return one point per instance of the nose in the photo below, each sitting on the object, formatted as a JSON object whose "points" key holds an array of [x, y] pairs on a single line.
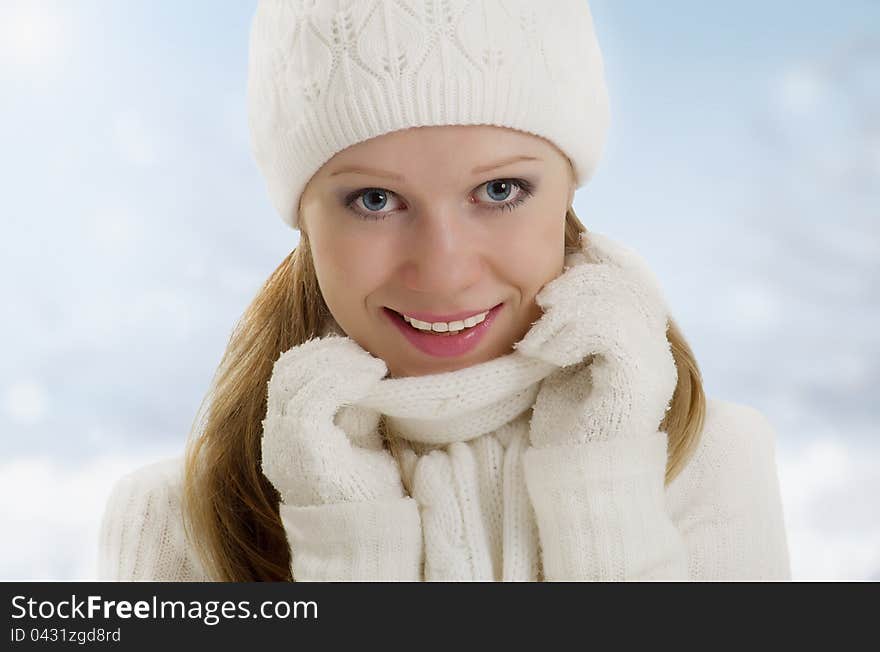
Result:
{"points": [[444, 257]]}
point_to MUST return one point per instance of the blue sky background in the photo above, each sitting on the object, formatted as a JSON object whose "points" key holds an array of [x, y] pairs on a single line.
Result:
{"points": [[743, 162]]}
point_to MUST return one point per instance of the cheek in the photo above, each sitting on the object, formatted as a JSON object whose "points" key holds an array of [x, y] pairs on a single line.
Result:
{"points": [[535, 251], [348, 269]]}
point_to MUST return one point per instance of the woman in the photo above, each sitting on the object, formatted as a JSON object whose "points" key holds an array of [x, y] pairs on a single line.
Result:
{"points": [[449, 378]]}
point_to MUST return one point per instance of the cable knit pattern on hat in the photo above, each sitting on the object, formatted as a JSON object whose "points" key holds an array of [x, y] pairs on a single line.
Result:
{"points": [[486, 505], [326, 74]]}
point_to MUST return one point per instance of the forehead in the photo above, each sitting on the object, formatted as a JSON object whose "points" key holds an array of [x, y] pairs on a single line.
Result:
{"points": [[461, 145]]}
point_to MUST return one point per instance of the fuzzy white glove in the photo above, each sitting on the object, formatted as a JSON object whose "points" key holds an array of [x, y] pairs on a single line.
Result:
{"points": [[318, 447], [604, 323]]}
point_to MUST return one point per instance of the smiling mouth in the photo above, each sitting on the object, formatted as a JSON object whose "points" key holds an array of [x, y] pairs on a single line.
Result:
{"points": [[461, 326], [425, 331]]}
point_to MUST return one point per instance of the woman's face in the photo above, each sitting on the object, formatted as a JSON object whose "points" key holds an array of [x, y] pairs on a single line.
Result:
{"points": [[445, 231]]}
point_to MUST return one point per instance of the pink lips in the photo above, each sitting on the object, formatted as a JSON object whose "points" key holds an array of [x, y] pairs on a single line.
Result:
{"points": [[449, 345]]}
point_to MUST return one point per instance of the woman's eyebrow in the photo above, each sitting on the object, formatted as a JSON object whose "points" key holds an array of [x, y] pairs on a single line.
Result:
{"points": [[398, 177]]}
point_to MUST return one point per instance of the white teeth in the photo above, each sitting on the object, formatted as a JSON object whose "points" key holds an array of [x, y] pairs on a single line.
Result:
{"points": [[443, 327]]}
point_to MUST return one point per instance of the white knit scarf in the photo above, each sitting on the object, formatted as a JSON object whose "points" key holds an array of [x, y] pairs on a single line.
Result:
{"points": [[449, 409]]}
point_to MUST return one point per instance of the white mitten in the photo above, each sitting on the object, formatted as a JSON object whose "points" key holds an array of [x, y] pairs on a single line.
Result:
{"points": [[604, 323], [318, 447]]}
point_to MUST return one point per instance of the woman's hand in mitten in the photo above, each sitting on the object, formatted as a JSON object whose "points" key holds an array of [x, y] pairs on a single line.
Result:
{"points": [[604, 324], [311, 454]]}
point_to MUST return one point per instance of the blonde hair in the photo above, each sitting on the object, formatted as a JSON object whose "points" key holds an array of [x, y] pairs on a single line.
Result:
{"points": [[230, 508]]}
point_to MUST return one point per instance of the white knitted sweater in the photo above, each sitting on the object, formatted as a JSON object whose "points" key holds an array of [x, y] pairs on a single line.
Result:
{"points": [[486, 506]]}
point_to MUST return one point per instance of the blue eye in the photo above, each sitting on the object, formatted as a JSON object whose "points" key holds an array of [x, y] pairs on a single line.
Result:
{"points": [[375, 199], [503, 184]]}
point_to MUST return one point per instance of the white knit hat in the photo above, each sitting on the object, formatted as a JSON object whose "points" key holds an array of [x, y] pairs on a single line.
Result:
{"points": [[327, 74]]}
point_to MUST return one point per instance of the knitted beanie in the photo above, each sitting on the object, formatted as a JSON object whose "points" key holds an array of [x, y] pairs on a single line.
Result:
{"points": [[324, 75]]}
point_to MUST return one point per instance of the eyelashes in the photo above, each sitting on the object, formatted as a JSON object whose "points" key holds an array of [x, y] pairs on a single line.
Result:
{"points": [[524, 191]]}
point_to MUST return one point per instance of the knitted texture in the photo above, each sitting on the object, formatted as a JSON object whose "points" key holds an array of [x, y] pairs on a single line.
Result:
{"points": [[326, 74], [725, 507], [142, 536], [310, 458], [379, 541], [476, 517], [605, 323], [486, 504]]}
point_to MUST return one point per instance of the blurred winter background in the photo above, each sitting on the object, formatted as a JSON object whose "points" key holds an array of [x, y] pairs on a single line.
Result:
{"points": [[743, 162]]}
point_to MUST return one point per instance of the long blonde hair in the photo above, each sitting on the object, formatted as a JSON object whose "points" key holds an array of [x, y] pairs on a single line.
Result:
{"points": [[230, 508]]}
